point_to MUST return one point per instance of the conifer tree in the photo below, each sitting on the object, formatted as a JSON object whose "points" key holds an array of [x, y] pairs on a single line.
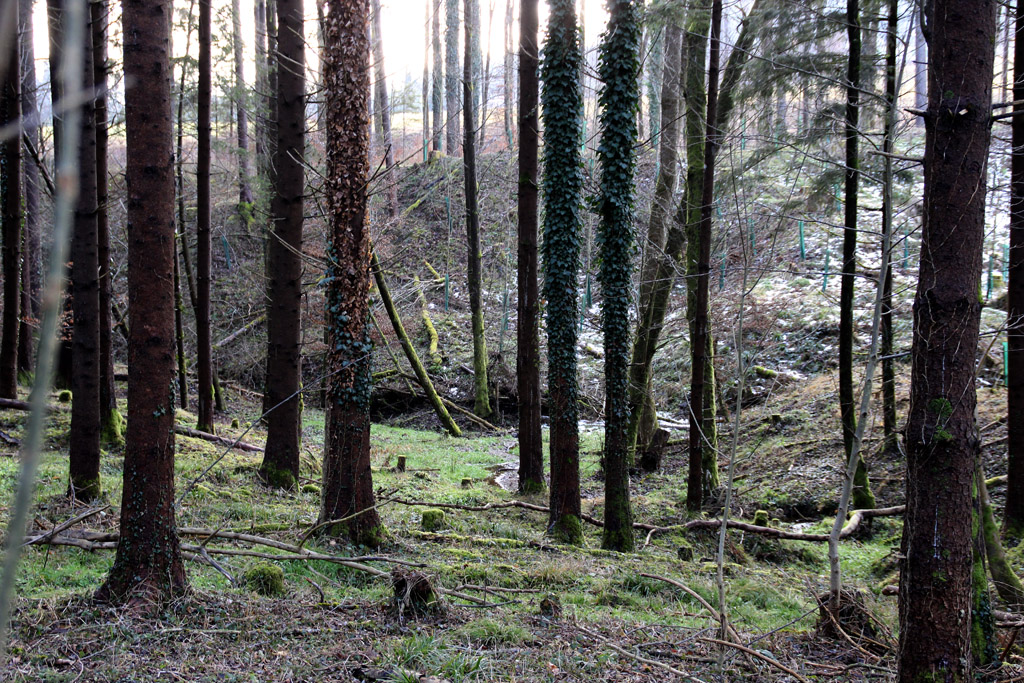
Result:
{"points": [[531, 448], [10, 218], [941, 434], [284, 256], [148, 565]]}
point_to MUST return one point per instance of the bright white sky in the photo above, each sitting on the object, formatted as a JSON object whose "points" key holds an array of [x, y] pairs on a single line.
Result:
{"points": [[403, 28]]}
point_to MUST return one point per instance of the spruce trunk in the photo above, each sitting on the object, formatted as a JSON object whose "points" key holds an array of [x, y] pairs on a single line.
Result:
{"points": [[531, 449], [941, 436], [148, 565], [10, 197], [204, 349], [280, 466]]}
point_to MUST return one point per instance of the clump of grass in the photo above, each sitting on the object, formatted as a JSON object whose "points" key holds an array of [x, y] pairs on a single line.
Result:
{"points": [[265, 579], [490, 632]]}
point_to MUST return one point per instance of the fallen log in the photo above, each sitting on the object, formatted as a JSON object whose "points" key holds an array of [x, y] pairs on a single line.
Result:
{"points": [[213, 438], [14, 404]]}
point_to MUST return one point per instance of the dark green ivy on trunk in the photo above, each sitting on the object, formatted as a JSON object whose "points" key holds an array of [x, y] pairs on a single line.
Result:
{"points": [[619, 69], [562, 114]]}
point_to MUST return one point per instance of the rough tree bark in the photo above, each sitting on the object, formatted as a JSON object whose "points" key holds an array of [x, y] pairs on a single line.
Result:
{"points": [[696, 88], [890, 437], [30, 172], [148, 565], [1013, 513], [280, 465], [242, 108], [10, 215], [531, 450], [204, 350], [382, 104], [111, 422], [619, 69], [862, 497], [482, 399], [84, 445], [941, 437], [451, 77], [562, 114], [348, 483], [437, 81]]}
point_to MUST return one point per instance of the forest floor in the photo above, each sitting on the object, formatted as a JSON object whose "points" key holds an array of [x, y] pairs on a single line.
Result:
{"points": [[609, 623]]}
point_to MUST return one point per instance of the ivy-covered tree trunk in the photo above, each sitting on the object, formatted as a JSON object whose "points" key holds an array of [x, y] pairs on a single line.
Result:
{"points": [[348, 482], [619, 69], [862, 497], [111, 422], [284, 257], [84, 443], [562, 113], [148, 565], [941, 436], [481, 392], [10, 216], [437, 81], [657, 270], [1013, 512], [451, 77], [204, 348], [531, 448]]}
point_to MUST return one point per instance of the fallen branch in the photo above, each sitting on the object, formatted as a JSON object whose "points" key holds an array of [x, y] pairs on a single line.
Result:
{"points": [[642, 660], [240, 331], [14, 404], [754, 653], [213, 438], [851, 526], [699, 598], [64, 526]]}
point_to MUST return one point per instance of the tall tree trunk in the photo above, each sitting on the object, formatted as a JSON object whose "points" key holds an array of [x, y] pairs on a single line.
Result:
{"points": [[437, 83], [426, 81], [10, 197], [920, 65], [620, 99], [509, 59], [562, 113], [284, 257], [180, 232], [890, 437], [242, 104], [699, 443], [482, 399], [30, 172], [862, 497], [179, 333], [148, 565], [451, 77], [941, 435], [84, 446], [383, 106], [531, 449], [1013, 512], [111, 422], [657, 270], [472, 18], [698, 28], [348, 483], [204, 349], [261, 100], [655, 62], [657, 304]]}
